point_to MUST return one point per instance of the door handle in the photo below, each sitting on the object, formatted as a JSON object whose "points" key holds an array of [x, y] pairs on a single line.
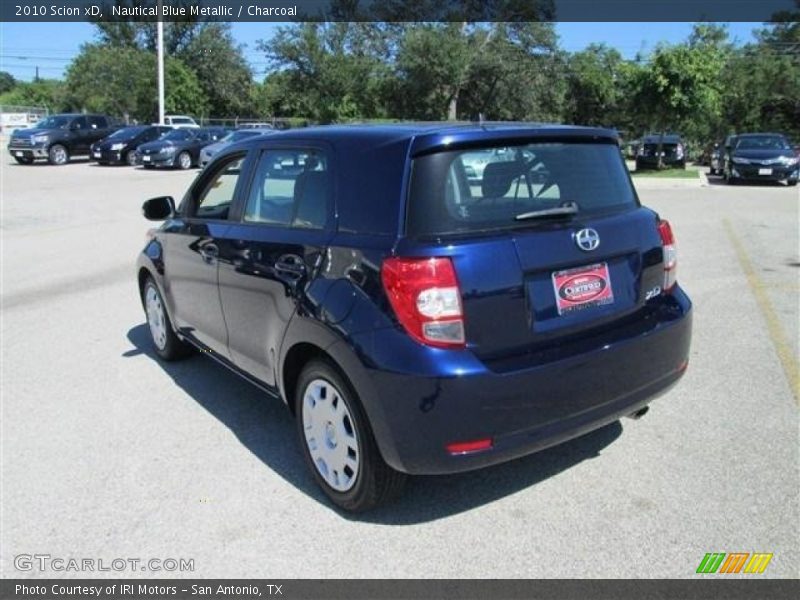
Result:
{"points": [[209, 252]]}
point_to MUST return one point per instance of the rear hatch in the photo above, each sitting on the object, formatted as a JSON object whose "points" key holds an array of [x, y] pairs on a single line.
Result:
{"points": [[549, 246]]}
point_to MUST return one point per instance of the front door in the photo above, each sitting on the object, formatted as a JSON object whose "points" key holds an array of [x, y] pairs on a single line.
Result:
{"points": [[192, 252]]}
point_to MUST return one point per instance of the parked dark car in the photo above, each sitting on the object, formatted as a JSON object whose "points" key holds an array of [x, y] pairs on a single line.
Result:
{"points": [[57, 138], [120, 146], [415, 322], [760, 157], [179, 148], [673, 152], [207, 153]]}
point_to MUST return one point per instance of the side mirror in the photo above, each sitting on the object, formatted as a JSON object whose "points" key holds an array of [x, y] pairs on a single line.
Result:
{"points": [[158, 209]]}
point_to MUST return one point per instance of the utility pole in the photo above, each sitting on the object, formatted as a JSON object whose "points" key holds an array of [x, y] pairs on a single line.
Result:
{"points": [[160, 66]]}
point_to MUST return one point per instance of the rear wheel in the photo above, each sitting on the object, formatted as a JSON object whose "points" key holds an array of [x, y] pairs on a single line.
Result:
{"points": [[338, 443], [24, 160], [58, 155], [792, 183], [184, 160], [166, 344]]}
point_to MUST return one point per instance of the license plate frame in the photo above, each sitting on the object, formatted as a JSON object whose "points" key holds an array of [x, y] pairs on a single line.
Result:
{"points": [[765, 171], [19, 154], [145, 158], [581, 288]]}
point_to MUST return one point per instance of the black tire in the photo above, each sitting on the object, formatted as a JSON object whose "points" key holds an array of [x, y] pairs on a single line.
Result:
{"points": [[24, 160], [130, 158], [376, 483], [171, 347], [58, 155], [792, 183], [638, 166], [184, 161]]}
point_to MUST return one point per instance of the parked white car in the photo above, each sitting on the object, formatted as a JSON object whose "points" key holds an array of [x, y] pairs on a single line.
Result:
{"points": [[180, 121]]}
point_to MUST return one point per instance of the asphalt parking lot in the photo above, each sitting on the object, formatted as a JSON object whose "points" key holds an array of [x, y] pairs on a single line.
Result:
{"points": [[107, 452]]}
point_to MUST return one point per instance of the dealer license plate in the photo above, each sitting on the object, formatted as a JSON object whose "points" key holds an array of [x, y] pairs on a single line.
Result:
{"points": [[582, 288]]}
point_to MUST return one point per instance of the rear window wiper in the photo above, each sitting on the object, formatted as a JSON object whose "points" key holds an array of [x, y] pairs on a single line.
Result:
{"points": [[566, 209]]}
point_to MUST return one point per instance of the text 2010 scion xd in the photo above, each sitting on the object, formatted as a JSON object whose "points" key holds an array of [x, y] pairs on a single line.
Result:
{"points": [[417, 320]]}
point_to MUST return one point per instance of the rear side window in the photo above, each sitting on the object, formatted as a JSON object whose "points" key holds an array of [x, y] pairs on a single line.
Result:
{"points": [[97, 122], [483, 190], [291, 188]]}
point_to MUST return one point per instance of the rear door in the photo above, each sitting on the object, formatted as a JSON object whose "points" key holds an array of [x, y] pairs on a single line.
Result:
{"points": [[98, 128], [81, 137], [192, 254], [270, 255], [531, 282]]}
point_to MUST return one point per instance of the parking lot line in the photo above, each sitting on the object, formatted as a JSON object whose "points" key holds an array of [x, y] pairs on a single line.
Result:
{"points": [[788, 360]]}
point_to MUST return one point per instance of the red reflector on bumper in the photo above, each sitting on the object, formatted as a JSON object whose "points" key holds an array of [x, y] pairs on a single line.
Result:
{"points": [[469, 447]]}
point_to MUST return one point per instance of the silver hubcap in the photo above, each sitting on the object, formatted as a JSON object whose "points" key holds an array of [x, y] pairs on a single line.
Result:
{"points": [[330, 435], [156, 317], [185, 161], [59, 155]]}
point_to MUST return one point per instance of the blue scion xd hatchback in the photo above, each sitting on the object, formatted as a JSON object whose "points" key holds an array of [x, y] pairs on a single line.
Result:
{"points": [[417, 317]]}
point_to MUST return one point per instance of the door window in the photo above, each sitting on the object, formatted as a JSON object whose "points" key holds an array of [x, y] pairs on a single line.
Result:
{"points": [[216, 197], [290, 189], [79, 124], [97, 122]]}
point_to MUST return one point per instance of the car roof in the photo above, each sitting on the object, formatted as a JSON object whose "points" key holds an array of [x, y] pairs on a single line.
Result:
{"points": [[425, 137], [744, 135]]}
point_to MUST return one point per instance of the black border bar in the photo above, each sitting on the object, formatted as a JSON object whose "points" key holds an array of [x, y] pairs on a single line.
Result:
{"points": [[403, 10], [712, 588]]}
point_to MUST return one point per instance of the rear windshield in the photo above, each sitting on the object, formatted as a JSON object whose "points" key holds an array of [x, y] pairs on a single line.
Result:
{"points": [[464, 191]]}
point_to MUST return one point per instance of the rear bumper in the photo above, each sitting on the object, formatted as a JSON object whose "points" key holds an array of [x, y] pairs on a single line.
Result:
{"points": [[523, 410]]}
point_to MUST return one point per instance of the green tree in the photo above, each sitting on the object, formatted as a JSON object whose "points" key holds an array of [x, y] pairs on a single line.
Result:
{"points": [[596, 84], [7, 82], [221, 69], [47, 93], [122, 81], [461, 70], [207, 48], [328, 71], [681, 88]]}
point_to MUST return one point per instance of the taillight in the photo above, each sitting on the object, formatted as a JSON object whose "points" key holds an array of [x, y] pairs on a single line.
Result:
{"points": [[425, 297], [670, 255]]}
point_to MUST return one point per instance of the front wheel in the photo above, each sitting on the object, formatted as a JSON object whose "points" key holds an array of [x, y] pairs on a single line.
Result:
{"points": [[792, 183], [58, 155], [166, 344], [184, 161], [130, 158], [338, 443]]}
